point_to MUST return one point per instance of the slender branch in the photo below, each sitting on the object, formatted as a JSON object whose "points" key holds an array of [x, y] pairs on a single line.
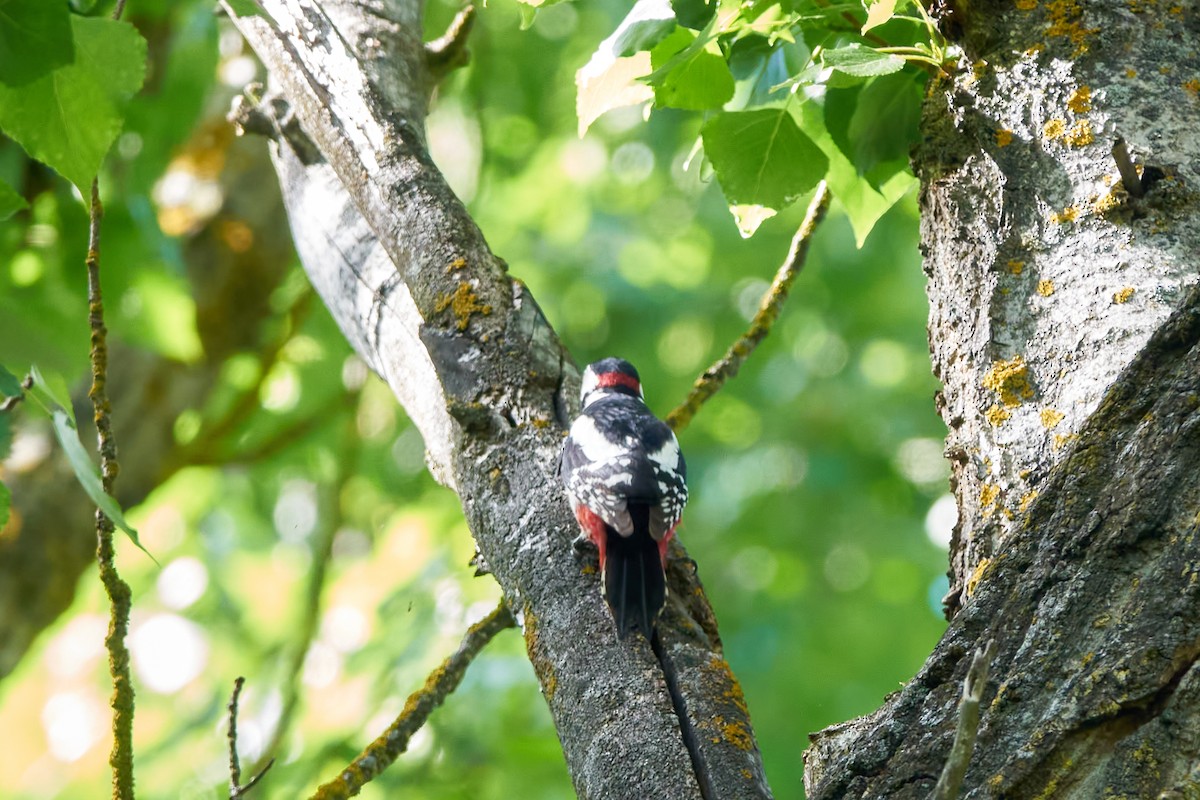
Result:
{"points": [[119, 594], [236, 788], [441, 682], [331, 521], [449, 51], [235, 767], [1129, 174], [728, 365], [951, 780]]}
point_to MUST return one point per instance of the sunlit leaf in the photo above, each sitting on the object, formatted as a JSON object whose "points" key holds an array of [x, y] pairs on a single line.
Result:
{"points": [[748, 218], [761, 157], [70, 116], [10, 201], [700, 81], [35, 38], [862, 62], [880, 12], [610, 78]]}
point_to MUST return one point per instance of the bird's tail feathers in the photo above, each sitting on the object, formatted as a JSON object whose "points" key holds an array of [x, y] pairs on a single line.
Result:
{"points": [[634, 584]]}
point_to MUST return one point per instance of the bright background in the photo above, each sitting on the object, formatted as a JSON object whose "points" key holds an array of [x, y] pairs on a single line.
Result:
{"points": [[819, 510]]}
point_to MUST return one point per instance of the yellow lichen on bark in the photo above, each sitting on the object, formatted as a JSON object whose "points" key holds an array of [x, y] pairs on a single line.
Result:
{"points": [[1051, 418], [1015, 267], [1068, 214], [1080, 134], [996, 415], [1004, 137], [1122, 295], [977, 575], [1081, 100], [1009, 380], [1045, 288], [462, 303]]}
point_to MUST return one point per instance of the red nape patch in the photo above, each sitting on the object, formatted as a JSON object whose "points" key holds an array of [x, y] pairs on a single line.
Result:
{"points": [[606, 379]]}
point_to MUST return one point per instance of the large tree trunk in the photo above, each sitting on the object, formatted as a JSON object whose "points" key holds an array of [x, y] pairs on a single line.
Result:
{"points": [[1065, 325], [409, 278]]}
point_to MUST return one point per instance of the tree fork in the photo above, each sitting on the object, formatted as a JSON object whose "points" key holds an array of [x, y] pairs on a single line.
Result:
{"points": [[413, 285]]}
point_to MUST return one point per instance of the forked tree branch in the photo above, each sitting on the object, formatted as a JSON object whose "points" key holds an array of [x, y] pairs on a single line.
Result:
{"points": [[411, 282]]}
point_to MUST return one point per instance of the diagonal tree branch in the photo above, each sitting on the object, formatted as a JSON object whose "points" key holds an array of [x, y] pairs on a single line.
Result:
{"points": [[713, 378], [380, 754], [411, 282]]}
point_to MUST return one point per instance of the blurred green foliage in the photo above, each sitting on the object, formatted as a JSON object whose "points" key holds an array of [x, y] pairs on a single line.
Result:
{"points": [[812, 472]]}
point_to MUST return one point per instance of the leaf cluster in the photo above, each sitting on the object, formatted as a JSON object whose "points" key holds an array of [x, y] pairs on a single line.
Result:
{"points": [[791, 92]]}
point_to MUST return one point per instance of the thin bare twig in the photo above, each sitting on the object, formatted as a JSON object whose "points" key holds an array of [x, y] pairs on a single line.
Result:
{"points": [[441, 682], [119, 594], [951, 779], [236, 788], [768, 311], [1129, 174], [449, 51]]}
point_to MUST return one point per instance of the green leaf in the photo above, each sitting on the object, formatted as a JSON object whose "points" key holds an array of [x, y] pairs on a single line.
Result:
{"points": [[85, 470], [69, 117], [862, 62], [694, 14], [5, 505], [10, 385], [761, 157], [863, 203], [244, 8], [700, 81], [35, 38], [647, 24], [5, 437], [886, 121], [10, 201], [51, 393], [87, 474], [880, 12], [610, 79]]}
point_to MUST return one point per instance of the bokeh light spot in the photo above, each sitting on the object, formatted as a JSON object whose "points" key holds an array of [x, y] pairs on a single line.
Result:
{"points": [[847, 567], [169, 652], [182, 582], [884, 363], [941, 519]]}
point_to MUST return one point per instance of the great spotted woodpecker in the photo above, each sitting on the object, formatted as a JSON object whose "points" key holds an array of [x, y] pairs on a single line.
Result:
{"points": [[626, 479]]}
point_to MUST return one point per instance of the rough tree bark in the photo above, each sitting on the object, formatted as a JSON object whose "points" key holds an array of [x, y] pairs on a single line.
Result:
{"points": [[413, 285], [1065, 325]]}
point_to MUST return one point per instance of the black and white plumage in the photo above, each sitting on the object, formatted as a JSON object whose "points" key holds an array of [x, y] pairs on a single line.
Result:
{"points": [[626, 478]]}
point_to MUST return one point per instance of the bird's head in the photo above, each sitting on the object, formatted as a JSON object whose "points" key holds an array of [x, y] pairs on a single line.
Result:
{"points": [[609, 375]]}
